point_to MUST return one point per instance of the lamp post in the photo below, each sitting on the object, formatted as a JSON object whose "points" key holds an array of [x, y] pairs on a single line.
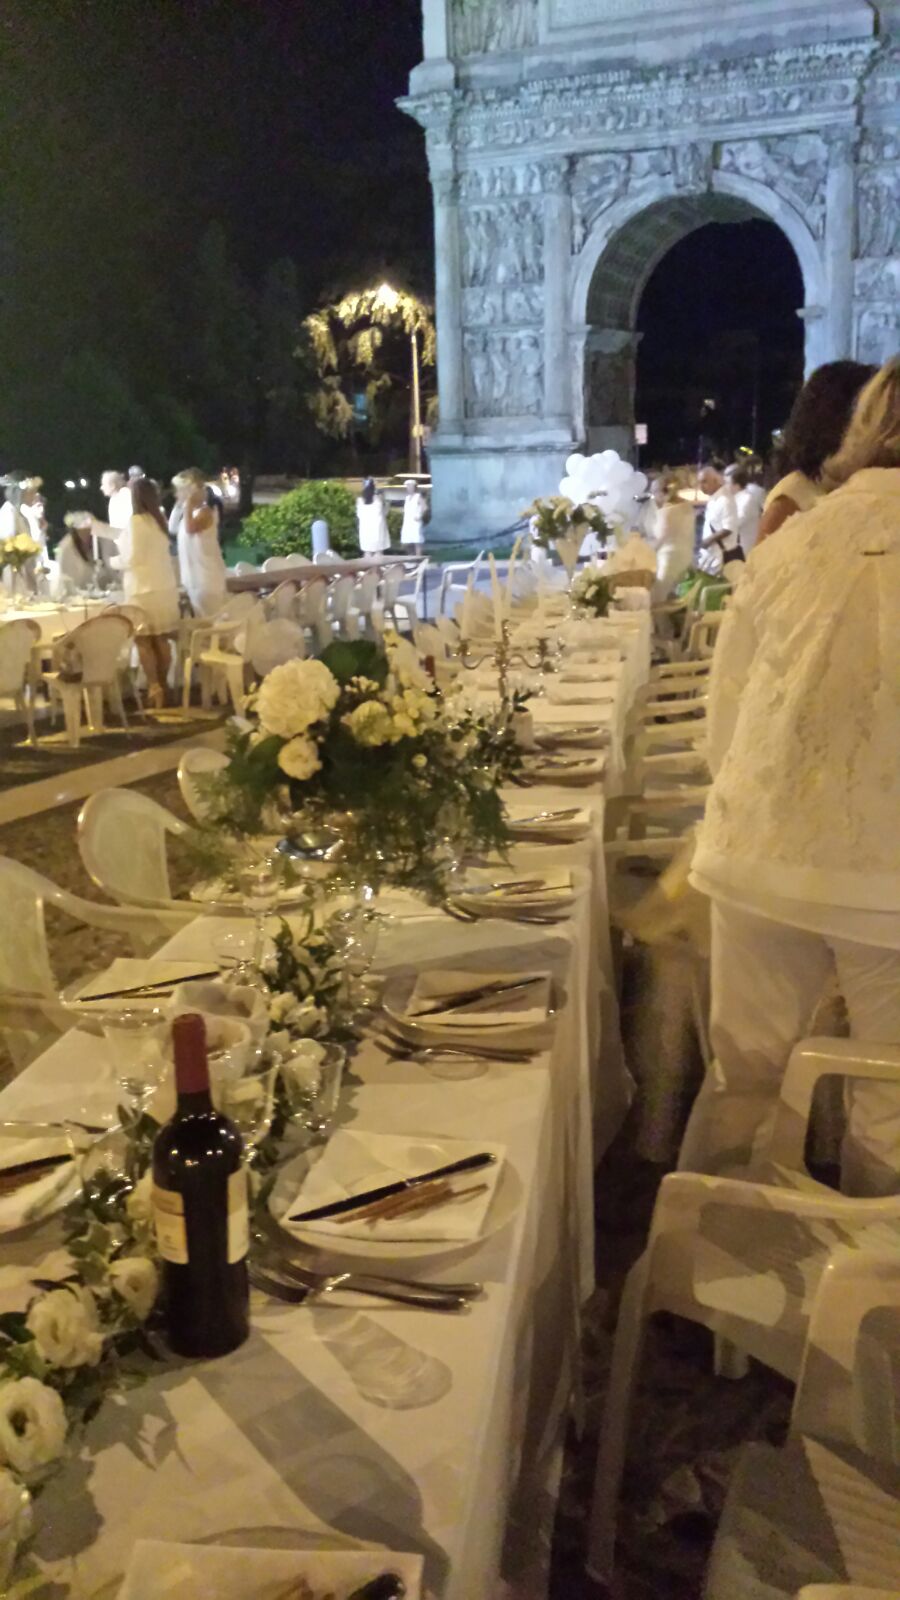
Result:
{"points": [[389, 298]]}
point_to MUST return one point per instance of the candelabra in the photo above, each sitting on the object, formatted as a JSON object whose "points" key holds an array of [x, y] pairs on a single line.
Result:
{"points": [[504, 655]]}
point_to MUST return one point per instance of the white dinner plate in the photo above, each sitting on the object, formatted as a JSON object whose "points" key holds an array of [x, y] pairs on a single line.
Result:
{"points": [[228, 1572], [50, 1190], [285, 1197], [530, 1035], [593, 735]]}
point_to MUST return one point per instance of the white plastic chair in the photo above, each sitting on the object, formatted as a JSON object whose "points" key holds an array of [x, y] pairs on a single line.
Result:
{"points": [[410, 600], [455, 577], [29, 990], [343, 619], [243, 569], [130, 664], [272, 564], [742, 1255], [122, 839], [269, 644], [362, 601], [95, 647], [17, 641], [326, 558], [282, 601], [312, 613], [827, 1504], [198, 763], [295, 559], [218, 652]]}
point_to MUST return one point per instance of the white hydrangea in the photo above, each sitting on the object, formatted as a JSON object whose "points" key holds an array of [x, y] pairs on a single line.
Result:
{"points": [[32, 1426], [299, 758], [66, 1328], [295, 695], [369, 723], [136, 1281]]}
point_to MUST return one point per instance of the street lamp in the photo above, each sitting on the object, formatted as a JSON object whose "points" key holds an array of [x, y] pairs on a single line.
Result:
{"points": [[388, 299]]}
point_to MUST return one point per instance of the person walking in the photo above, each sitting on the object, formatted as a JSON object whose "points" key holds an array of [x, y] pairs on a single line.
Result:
{"points": [[196, 526], [799, 849], [371, 518], [672, 534], [415, 510]]}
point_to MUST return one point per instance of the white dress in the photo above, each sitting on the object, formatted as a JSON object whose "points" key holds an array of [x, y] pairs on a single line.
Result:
{"points": [[413, 519], [373, 526], [673, 535], [148, 576], [201, 564]]}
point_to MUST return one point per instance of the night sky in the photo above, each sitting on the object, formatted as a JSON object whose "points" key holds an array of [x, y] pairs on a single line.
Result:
{"points": [[129, 125]]}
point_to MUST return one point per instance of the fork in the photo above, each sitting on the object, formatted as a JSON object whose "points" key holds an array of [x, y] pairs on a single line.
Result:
{"points": [[392, 1043], [301, 1285], [267, 1235]]}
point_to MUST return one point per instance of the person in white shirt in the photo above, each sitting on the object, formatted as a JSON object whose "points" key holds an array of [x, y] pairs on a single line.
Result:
{"points": [[721, 520], [200, 559], [113, 485], [814, 430], [799, 848], [672, 533], [149, 582], [33, 510], [371, 517], [749, 499], [415, 510]]}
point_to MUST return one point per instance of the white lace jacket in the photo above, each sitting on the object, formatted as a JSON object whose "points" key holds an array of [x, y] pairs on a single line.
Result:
{"points": [[804, 724]]}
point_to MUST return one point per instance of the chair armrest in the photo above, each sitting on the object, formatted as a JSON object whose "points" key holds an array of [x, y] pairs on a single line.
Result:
{"points": [[661, 733], [845, 1388], [811, 1060], [654, 849], [683, 1197], [674, 707]]}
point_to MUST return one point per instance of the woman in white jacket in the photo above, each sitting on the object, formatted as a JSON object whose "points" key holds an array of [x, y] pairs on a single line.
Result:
{"points": [[149, 582], [800, 846], [672, 532]]}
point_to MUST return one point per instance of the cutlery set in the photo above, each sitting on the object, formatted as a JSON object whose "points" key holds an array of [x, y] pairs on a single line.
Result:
{"points": [[401, 1186]]}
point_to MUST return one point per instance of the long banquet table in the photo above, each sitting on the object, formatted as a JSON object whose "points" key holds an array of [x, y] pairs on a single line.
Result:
{"points": [[361, 1422]]}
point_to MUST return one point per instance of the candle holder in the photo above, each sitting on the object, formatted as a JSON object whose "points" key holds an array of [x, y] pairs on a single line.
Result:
{"points": [[503, 656]]}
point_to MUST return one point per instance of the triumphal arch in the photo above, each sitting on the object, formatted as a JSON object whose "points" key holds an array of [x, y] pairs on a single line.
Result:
{"points": [[571, 143]]}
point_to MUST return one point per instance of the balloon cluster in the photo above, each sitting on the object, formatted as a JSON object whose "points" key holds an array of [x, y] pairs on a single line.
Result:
{"points": [[609, 483]]}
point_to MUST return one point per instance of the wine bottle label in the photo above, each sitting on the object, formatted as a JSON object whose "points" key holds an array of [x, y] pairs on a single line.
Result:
{"points": [[171, 1232], [238, 1224]]}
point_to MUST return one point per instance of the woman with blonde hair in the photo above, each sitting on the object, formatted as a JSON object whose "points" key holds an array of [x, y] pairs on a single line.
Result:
{"points": [[149, 582], [196, 526], [799, 849]]}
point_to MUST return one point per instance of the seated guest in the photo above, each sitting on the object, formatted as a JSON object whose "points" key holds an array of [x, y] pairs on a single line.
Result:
{"points": [[814, 430], [75, 559], [799, 850]]}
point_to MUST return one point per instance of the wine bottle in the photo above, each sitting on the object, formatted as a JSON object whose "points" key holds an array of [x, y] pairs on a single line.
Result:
{"points": [[200, 1210]]}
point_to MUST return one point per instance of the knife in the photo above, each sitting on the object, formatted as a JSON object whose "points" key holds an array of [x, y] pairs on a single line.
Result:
{"points": [[465, 997], [337, 1207], [157, 990]]}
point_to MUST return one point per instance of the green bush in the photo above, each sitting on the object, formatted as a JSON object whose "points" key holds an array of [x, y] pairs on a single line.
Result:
{"points": [[285, 527], [395, 523]]}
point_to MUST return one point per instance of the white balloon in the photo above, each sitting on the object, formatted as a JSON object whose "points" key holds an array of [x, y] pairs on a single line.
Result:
{"points": [[575, 464]]}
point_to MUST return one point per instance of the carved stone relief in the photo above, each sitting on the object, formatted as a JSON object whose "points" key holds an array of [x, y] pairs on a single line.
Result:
{"points": [[794, 166], [503, 245], [498, 307], [597, 183], [879, 211], [500, 183], [504, 375], [878, 335], [878, 281], [483, 25]]}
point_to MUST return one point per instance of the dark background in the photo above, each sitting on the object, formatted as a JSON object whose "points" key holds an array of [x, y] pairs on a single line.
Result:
{"points": [[185, 179]]}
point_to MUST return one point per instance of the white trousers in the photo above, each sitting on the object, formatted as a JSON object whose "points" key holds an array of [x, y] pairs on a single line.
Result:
{"points": [[767, 979]]}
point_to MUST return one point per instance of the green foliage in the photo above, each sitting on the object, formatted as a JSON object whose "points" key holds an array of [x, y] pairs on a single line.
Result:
{"points": [[395, 523], [355, 658], [286, 527], [362, 343]]}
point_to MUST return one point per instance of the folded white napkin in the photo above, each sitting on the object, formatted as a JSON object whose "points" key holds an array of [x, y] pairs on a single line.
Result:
{"points": [[525, 819], [34, 1199], [354, 1161], [160, 1571], [214, 998], [128, 973], [584, 692], [520, 1007]]}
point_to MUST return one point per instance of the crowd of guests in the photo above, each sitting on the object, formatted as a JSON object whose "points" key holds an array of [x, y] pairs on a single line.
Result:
{"points": [[156, 559]]}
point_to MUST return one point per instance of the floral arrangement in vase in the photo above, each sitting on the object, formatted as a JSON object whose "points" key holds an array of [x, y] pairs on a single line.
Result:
{"points": [[590, 592], [361, 742], [18, 550]]}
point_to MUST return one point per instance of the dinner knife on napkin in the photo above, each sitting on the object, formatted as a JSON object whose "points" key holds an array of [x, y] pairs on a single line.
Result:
{"points": [[336, 1208]]}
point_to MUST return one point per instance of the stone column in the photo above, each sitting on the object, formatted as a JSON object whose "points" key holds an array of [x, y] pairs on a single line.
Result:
{"points": [[557, 259], [840, 240], [448, 299]]}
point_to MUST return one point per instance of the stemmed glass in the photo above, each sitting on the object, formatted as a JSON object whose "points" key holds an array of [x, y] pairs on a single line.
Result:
{"points": [[261, 891], [245, 1092], [136, 1038]]}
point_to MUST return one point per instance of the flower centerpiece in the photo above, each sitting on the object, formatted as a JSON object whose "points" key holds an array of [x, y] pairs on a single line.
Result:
{"points": [[591, 592], [562, 524], [16, 552], [362, 742]]}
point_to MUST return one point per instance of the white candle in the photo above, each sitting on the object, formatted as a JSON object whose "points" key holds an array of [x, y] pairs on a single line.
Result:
{"points": [[509, 576], [497, 595], [465, 616]]}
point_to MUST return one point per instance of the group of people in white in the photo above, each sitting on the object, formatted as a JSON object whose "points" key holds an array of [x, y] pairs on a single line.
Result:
{"points": [[372, 519]]}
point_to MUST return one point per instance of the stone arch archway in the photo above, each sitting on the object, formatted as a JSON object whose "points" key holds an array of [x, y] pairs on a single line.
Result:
{"points": [[615, 264], [571, 143]]}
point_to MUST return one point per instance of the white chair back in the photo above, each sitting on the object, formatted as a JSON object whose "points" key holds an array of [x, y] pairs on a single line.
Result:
{"points": [[272, 564], [366, 590], [136, 615], [243, 569], [340, 598], [295, 559], [269, 644], [16, 642], [391, 584], [99, 643], [281, 602], [198, 764], [24, 954], [122, 840], [848, 1388], [235, 608], [325, 558], [312, 611]]}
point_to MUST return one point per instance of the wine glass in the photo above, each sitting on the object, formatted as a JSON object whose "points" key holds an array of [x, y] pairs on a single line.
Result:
{"points": [[311, 1075], [136, 1039], [261, 890], [244, 1090]]}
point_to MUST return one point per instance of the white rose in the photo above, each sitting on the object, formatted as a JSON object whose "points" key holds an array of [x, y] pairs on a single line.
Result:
{"points": [[299, 758], [295, 695], [282, 1007], [66, 1329], [136, 1281], [32, 1425], [308, 1019], [139, 1204], [370, 723]]}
